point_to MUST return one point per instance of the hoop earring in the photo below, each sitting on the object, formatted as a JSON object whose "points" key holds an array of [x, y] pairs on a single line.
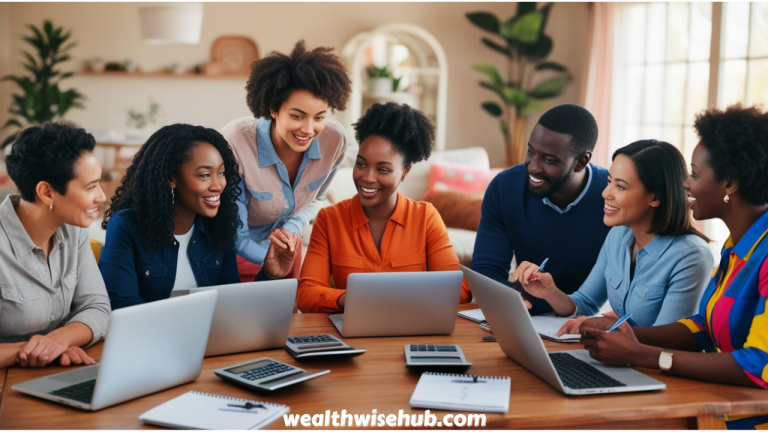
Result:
{"points": [[173, 196], [726, 198]]}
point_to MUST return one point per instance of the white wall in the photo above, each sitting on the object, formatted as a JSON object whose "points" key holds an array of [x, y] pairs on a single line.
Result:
{"points": [[111, 31]]}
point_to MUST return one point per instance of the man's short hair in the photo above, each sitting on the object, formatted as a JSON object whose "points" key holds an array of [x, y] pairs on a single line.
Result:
{"points": [[575, 121]]}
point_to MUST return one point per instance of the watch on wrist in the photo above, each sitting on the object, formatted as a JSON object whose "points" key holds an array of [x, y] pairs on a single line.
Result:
{"points": [[665, 360]]}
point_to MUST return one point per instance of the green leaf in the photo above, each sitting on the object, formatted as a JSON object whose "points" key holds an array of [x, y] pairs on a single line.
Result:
{"points": [[525, 7], [515, 97], [67, 75], [551, 66], [484, 20], [532, 107], [545, 16], [496, 47], [11, 122], [550, 87], [525, 28], [492, 108], [504, 128], [9, 140], [493, 88], [491, 72], [539, 50]]}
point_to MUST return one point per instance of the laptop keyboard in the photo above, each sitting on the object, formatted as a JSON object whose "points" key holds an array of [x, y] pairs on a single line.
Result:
{"points": [[81, 392], [433, 348], [577, 374]]}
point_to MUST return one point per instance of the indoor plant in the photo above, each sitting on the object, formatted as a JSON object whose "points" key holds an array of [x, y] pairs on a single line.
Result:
{"points": [[42, 100], [521, 40]]}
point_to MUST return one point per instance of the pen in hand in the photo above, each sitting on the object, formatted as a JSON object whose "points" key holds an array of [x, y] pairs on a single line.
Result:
{"points": [[541, 269], [619, 322]]}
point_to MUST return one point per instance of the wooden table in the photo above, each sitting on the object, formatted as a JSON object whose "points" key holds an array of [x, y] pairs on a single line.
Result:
{"points": [[379, 380]]}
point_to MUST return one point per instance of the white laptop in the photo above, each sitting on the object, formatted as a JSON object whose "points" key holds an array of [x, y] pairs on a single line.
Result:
{"points": [[147, 348], [571, 372], [400, 304], [250, 316]]}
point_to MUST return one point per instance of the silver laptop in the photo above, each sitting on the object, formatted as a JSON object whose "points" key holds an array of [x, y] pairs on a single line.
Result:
{"points": [[571, 372], [400, 304], [147, 348], [250, 316]]}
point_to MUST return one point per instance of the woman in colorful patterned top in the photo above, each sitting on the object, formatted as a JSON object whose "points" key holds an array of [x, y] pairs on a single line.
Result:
{"points": [[727, 182], [287, 151]]}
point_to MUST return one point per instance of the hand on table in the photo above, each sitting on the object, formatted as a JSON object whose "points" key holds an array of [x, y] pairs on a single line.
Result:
{"points": [[75, 356], [573, 325], [281, 253], [342, 300], [41, 350]]}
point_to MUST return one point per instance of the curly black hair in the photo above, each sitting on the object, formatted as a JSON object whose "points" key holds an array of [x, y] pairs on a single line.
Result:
{"points": [[145, 187], [409, 130], [46, 153], [737, 142], [277, 75], [573, 120]]}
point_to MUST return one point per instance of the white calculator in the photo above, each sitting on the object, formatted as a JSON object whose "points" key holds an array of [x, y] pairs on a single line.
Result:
{"points": [[433, 355], [265, 374]]}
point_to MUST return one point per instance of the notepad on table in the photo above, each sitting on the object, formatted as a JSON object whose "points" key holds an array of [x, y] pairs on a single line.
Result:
{"points": [[546, 325], [196, 410], [462, 392]]}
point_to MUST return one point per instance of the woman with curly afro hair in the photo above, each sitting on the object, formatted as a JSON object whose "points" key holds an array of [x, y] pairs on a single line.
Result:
{"points": [[379, 230], [287, 151], [173, 221], [727, 182]]}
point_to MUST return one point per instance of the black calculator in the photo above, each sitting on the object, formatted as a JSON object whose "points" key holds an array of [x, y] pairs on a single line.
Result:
{"points": [[265, 374], [318, 345], [433, 355]]}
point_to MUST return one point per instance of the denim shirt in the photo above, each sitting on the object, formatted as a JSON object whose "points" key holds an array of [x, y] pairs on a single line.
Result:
{"points": [[134, 275], [268, 200], [670, 276]]}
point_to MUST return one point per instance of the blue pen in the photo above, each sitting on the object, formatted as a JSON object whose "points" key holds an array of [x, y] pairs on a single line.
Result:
{"points": [[618, 323], [541, 267]]}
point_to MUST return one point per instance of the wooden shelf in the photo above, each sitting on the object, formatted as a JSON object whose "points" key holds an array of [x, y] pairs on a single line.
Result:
{"points": [[184, 75]]}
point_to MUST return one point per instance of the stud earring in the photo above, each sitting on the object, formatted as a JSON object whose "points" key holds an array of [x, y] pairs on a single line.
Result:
{"points": [[726, 198], [50, 207]]}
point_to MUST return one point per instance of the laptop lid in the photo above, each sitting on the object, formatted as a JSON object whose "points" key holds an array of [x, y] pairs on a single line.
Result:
{"points": [[147, 348], [401, 303], [250, 316], [505, 311]]}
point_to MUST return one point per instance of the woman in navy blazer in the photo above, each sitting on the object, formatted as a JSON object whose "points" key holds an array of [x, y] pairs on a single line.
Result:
{"points": [[173, 221]]}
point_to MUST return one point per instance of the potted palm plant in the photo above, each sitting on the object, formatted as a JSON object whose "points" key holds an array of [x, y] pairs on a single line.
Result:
{"points": [[522, 42], [41, 100]]}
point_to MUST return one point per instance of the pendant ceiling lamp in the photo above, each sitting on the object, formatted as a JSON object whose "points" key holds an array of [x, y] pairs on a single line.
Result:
{"points": [[171, 23]]}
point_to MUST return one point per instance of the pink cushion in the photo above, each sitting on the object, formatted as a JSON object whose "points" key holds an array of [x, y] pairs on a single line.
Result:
{"points": [[444, 176]]}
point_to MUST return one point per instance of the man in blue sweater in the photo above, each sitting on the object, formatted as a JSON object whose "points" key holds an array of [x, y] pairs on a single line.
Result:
{"points": [[549, 207]]}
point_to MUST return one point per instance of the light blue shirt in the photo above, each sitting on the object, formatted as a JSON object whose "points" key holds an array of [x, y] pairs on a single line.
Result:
{"points": [[252, 243], [670, 276], [578, 198]]}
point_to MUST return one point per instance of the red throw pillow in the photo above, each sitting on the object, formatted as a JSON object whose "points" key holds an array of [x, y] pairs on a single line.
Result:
{"points": [[445, 176]]}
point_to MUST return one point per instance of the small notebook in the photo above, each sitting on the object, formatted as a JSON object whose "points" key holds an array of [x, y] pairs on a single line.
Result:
{"points": [[462, 392], [546, 325], [196, 410]]}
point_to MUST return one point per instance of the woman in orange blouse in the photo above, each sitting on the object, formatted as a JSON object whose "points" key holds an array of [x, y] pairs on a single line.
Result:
{"points": [[378, 230]]}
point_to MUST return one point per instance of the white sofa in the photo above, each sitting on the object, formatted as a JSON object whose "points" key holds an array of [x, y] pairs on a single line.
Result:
{"points": [[415, 186]]}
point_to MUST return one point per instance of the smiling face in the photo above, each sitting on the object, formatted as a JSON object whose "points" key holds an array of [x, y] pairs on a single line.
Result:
{"points": [[627, 201], [199, 182], [378, 172], [549, 161], [300, 119], [81, 204], [705, 194]]}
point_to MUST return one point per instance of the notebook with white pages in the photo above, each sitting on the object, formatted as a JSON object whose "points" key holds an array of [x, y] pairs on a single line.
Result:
{"points": [[197, 410], [546, 325], [462, 392]]}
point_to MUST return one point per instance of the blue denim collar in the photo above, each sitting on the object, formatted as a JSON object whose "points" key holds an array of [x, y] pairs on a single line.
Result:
{"points": [[578, 198], [267, 154], [655, 248]]}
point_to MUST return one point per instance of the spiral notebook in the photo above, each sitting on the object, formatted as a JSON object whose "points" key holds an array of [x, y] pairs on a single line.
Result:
{"points": [[197, 410], [462, 392]]}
